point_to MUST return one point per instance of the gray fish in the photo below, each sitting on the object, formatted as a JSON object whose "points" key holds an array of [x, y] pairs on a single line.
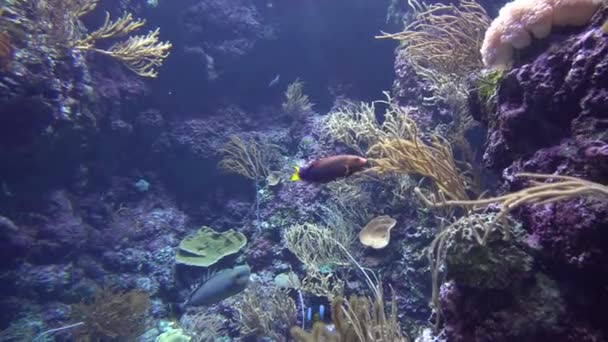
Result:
{"points": [[220, 286]]}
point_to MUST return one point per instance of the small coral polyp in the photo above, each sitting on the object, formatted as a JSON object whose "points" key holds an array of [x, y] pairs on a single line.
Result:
{"points": [[520, 21]]}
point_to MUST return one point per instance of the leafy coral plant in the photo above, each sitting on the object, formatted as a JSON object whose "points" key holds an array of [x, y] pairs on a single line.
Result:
{"points": [[395, 146], [443, 41], [57, 23], [297, 104]]}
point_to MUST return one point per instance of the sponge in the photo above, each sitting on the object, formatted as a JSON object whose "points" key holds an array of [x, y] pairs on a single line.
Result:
{"points": [[520, 20], [574, 12]]}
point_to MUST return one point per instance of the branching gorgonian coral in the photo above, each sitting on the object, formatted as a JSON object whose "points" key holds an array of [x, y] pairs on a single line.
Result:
{"points": [[321, 250], [444, 39], [297, 104], [564, 187], [353, 124], [405, 152], [350, 205], [412, 156], [442, 45], [356, 125], [479, 228], [58, 23], [396, 147], [249, 159], [318, 248]]}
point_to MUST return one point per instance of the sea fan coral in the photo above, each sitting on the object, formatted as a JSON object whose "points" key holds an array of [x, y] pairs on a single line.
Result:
{"points": [[519, 20]]}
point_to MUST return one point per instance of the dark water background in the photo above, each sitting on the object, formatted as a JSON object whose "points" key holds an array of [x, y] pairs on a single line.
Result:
{"points": [[320, 42]]}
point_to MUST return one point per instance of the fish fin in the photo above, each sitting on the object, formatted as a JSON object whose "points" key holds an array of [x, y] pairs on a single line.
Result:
{"points": [[192, 288], [347, 170], [296, 175], [210, 274], [203, 279]]}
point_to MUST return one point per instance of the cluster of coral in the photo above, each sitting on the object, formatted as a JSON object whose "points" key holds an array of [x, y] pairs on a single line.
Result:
{"points": [[542, 112], [131, 211]]}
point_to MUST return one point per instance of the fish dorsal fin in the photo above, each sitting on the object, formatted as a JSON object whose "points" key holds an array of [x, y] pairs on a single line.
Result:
{"points": [[210, 273], [204, 278], [213, 273]]}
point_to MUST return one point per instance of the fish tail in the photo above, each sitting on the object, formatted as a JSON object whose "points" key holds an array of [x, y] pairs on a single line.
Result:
{"points": [[296, 175]]}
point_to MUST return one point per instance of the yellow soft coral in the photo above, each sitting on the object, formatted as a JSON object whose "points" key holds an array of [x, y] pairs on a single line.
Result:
{"points": [[521, 20]]}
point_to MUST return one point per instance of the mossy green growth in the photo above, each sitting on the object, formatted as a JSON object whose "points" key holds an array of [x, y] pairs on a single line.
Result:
{"points": [[206, 247], [488, 87], [503, 262], [173, 335]]}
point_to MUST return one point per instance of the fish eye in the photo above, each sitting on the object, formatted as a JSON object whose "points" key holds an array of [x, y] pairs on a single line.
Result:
{"points": [[242, 276]]}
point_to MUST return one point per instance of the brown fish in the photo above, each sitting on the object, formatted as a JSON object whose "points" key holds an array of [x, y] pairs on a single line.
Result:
{"points": [[328, 169]]}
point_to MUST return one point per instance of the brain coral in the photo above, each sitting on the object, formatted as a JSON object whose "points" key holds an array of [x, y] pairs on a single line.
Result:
{"points": [[520, 20]]}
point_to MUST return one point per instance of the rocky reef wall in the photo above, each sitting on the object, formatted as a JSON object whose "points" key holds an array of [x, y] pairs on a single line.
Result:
{"points": [[551, 118]]}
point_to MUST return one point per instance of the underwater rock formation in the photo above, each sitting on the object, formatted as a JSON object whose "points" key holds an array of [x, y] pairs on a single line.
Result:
{"points": [[409, 89], [219, 32], [203, 136], [533, 313], [560, 95], [550, 118]]}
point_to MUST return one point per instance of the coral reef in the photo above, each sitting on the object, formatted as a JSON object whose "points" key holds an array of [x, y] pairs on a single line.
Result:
{"points": [[556, 99], [547, 119], [107, 177]]}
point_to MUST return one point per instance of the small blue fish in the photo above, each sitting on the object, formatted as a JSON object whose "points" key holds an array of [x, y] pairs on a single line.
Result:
{"points": [[317, 316], [274, 81]]}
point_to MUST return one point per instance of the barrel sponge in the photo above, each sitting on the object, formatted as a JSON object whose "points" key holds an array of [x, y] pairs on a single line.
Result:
{"points": [[520, 20]]}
